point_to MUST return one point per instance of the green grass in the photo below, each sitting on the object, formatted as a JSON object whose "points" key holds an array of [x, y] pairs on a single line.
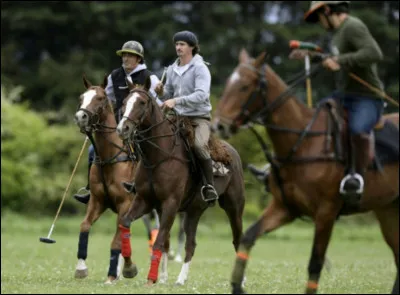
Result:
{"points": [[361, 261]]}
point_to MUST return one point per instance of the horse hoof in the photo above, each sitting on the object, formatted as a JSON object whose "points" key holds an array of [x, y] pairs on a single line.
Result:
{"points": [[237, 290], [178, 258], [179, 283], [111, 280], [130, 272], [81, 273], [150, 283]]}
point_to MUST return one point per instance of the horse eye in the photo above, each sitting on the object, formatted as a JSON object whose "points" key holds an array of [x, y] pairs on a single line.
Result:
{"points": [[244, 88]]}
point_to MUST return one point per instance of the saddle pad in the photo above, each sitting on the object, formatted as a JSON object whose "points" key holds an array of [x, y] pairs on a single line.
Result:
{"points": [[387, 143]]}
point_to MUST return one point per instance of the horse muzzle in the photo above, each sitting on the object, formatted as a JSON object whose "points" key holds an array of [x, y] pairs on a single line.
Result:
{"points": [[82, 119], [221, 129], [125, 128]]}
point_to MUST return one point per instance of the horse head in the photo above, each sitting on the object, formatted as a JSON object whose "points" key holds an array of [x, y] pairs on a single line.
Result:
{"points": [[242, 96], [92, 105], [136, 109]]}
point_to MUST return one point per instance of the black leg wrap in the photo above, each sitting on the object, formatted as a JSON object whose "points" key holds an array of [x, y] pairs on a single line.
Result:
{"points": [[112, 271], [83, 245], [237, 289], [251, 235]]}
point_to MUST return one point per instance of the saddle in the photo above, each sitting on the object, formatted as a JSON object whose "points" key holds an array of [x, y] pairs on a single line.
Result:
{"points": [[384, 138], [218, 152]]}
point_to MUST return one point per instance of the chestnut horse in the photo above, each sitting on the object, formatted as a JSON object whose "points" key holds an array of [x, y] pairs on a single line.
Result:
{"points": [[165, 180], [306, 170], [113, 164]]}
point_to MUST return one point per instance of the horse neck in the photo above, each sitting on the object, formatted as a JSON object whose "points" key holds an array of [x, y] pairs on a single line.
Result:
{"points": [[292, 114], [105, 136], [161, 136]]}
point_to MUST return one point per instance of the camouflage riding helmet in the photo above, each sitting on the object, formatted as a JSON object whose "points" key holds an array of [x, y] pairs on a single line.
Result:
{"points": [[133, 47], [311, 15]]}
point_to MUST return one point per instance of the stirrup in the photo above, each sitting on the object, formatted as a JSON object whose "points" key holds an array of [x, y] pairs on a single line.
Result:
{"points": [[203, 190], [356, 176]]}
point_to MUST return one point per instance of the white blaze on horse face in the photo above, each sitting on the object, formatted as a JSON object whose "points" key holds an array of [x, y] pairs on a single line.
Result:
{"points": [[130, 103], [87, 98]]}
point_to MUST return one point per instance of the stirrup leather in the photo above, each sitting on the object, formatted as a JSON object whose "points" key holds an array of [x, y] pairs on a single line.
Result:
{"points": [[204, 188], [357, 176]]}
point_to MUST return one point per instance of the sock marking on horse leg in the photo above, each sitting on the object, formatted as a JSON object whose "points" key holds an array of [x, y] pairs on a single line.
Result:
{"points": [[164, 268], [183, 275]]}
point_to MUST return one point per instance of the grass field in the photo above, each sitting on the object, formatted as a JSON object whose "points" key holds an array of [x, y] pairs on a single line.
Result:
{"points": [[361, 261]]}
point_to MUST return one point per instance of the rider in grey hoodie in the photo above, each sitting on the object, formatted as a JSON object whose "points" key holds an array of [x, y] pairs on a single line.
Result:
{"points": [[187, 90]]}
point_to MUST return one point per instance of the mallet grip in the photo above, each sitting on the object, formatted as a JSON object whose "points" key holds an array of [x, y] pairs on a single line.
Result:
{"points": [[296, 44]]}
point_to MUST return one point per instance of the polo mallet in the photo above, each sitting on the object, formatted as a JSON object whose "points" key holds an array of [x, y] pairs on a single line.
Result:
{"points": [[47, 239], [163, 75], [295, 44]]}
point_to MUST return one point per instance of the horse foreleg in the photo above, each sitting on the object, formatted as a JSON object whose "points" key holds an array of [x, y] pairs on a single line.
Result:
{"points": [[137, 208], [114, 270], [274, 216], [190, 224], [151, 233], [93, 212], [389, 222], [181, 239], [169, 210], [164, 261], [324, 221]]}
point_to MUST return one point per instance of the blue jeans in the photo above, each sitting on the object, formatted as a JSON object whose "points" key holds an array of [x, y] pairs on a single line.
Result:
{"points": [[92, 154], [363, 112]]}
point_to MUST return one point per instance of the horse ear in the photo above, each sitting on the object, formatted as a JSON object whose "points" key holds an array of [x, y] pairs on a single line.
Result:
{"points": [[86, 81], [243, 56], [260, 59], [129, 83], [105, 81], [147, 83]]}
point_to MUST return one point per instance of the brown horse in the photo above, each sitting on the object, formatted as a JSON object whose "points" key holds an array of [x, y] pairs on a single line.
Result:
{"points": [[305, 169], [113, 165], [165, 180]]}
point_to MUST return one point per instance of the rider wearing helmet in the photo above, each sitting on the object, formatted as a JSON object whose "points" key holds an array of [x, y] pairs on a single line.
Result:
{"points": [[354, 50], [134, 69]]}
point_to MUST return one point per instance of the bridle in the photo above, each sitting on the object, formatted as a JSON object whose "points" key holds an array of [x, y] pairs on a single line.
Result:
{"points": [[94, 118], [268, 108]]}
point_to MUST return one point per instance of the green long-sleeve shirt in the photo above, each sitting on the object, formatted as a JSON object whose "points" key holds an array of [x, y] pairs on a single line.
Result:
{"points": [[359, 53]]}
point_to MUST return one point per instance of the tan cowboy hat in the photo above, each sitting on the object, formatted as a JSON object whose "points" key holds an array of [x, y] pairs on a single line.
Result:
{"points": [[133, 47], [311, 16]]}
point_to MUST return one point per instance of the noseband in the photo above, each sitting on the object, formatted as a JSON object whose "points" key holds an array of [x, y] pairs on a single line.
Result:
{"points": [[268, 108]]}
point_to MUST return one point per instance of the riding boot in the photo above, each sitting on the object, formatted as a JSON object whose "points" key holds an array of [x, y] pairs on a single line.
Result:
{"points": [[208, 191], [352, 185], [84, 198]]}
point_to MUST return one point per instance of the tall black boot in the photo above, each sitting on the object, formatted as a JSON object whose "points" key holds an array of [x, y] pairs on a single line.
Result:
{"points": [[84, 198], [208, 191]]}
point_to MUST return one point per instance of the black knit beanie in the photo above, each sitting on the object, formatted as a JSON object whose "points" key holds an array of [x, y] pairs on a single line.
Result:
{"points": [[186, 36]]}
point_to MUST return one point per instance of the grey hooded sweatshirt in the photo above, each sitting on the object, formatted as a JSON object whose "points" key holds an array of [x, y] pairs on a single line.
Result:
{"points": [[191, 89]]}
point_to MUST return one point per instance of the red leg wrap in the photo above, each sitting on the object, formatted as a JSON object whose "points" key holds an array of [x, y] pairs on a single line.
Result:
{"points": [[155, 262], [125, 234]]}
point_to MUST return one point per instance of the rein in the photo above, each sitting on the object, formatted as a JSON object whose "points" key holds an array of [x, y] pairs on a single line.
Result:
{"points": [[99, 128]]}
